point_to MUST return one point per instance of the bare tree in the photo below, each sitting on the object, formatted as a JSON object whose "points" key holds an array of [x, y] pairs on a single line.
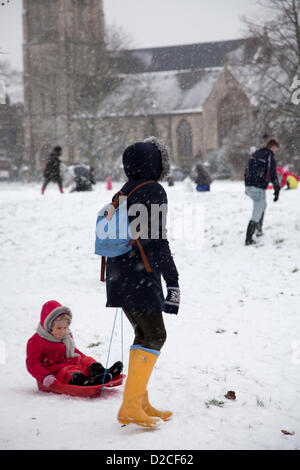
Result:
{"points": [[11, 114], [270, 82], [273, 76], [96, 126]]}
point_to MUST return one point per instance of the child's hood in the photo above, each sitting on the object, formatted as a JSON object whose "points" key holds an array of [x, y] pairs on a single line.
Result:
{"points": [[52, 310], [146, 160]]}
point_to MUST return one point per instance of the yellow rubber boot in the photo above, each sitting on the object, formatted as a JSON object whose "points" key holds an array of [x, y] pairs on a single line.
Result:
{"points": [[141, 364], [151, 411]]}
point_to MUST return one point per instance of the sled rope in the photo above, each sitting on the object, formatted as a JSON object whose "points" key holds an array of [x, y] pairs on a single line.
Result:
{"points": [[110, 343]]}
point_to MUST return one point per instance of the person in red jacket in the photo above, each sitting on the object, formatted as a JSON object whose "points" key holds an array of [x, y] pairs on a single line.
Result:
{"points": [[52, 354], [288, 179]]}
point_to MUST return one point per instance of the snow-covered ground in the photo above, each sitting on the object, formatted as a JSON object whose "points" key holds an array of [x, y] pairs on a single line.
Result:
{"points": [[238, 326]]}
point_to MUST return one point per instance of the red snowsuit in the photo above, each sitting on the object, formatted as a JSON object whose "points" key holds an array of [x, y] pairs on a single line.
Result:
{"points": [[44, 357]]}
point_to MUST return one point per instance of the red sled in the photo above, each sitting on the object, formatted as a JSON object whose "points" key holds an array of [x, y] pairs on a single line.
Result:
{"points": [[78, 390]]}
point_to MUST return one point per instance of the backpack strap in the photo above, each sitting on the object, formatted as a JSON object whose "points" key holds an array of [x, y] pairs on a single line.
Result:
{"points": [[268, 170], [115, 205], [102, 272], [139, 186], [137, 241], [143, 254]]}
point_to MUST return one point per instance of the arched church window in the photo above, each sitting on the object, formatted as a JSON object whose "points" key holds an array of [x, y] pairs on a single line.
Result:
{"points": [[232, 115], [184, 139]]}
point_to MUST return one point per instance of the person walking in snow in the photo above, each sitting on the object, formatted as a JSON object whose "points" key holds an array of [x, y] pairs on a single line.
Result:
{"points": [[260, 170], [52, 169], [52, 355], [137, 290]]}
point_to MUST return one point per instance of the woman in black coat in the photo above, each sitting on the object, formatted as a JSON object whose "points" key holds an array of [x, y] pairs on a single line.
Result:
{"points": [[139, 292], [52, 169]]}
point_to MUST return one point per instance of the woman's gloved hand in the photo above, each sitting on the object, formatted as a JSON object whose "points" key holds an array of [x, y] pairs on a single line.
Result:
{"points": [[172, 300]]}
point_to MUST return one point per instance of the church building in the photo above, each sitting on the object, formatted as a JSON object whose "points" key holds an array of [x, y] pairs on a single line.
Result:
{"points": [[188, 95]]}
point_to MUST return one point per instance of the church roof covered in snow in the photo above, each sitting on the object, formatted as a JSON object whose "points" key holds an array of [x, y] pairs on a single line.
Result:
{"points": [[170, 92], [257, 84], [171, 80], [183, 57]]}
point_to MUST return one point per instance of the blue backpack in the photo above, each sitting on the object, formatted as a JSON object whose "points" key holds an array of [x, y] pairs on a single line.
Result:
{"points": [[113, 237]]}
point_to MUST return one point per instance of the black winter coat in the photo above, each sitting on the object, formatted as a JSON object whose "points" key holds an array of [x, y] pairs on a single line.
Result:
{"points": [[261, 169], [128, 284], [52, 169]]}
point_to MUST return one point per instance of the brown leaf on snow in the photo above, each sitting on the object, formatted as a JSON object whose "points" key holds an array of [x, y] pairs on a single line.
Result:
{"points": [[230, 395], [287, 433]]}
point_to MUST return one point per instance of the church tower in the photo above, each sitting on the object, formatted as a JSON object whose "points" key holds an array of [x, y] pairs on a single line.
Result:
{"points": [[62, 40]]}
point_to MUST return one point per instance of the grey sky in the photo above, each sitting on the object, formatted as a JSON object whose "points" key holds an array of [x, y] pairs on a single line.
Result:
{"points": [[150, 23]]}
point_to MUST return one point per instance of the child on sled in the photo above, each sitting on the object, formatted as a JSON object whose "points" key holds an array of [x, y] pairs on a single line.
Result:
{"points": [[52, 355]]}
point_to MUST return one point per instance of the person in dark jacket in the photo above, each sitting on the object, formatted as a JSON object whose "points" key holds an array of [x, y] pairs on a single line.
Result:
{"points": [[260, 170], [202, 179], [84, 177], [52, 169], [139, 292]]}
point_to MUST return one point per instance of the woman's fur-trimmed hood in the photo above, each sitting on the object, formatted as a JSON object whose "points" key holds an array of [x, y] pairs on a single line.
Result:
{"points": [[147, 160], [165, 155]]}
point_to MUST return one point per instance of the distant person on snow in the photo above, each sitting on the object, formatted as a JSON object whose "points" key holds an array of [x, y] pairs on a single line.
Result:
{"points": [[203, 179], [52, 355], [287, 178], [261, 168], [84, 178], [52, 169]]}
